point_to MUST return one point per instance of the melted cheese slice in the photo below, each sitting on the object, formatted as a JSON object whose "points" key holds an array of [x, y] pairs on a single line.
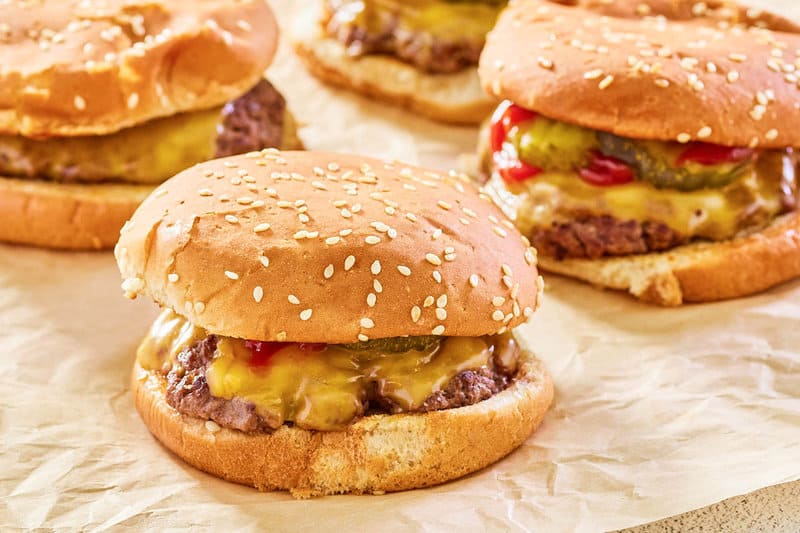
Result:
{"points": [[322, 390], [715, 214]]}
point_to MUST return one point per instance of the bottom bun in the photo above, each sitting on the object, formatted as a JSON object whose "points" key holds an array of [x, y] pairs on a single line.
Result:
{"points": [[698, 272], [454, 98], [69, 216], [379, 453]]}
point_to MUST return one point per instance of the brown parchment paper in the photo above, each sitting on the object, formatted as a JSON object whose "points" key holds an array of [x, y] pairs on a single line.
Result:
{"points": [[658, 411]]}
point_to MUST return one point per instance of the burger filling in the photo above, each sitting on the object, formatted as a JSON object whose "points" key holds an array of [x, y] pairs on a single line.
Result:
{"points": [[438, 36], [156, 150], [584, 193], [260, 386]]}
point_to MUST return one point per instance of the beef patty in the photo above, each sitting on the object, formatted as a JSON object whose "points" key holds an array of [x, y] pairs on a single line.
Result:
{"points": [[252, 122], [189, 394], [592, 237], [419, 48]]}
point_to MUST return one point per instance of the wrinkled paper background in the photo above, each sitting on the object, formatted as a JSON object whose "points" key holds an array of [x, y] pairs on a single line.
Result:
{"points": [[657, 411]]}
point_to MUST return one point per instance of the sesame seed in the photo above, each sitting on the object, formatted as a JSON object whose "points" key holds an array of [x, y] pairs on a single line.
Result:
{"points": [[371, 299], [593, 74], [732, 76], [500, 231], [441, 301], [444, 205], [367, 323], [438, 330], [506, 269], [497, 301], [545, 63], [305, 314], [232, 219], [133, 100], [498, 315], [433, 259], [173, 278], [376, 285], [231, 275], [375, 268], [416, 313], [404, 270], [293, 299], [429, 300], [704, 132], [473, 280], [441, 314], [212, 426], [661, 82], [258, 294], [244, 200], [264, 260], [527, 312], [508, 282], [771, 135], [362, 337], [199, 307], [437, 276], [683, 138], [349, 261], [372, 239], [328, 272], [330, 241], [264, 226], [605, 82]]}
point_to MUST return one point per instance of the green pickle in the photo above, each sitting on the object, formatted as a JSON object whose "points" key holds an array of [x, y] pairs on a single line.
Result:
{"points": [[396, 344], [553, 145], [654, 162]]}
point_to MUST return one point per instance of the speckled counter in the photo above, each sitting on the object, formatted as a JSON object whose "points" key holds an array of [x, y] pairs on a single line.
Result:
{"points": [[773, 509]]}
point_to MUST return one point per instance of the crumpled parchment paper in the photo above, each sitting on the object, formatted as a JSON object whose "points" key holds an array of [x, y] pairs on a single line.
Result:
{"points": [[657, 411]]}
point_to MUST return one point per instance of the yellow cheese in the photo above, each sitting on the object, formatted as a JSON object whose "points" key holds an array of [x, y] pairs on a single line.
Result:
{"points": [[322, 389], [445, 20], [715, 214], [148, 153]]}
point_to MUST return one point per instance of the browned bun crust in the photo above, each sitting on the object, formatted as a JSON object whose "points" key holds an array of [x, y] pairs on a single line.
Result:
{"points": [[78, 216], [66, 216], [603, 65], [437, 257], [453, 98], [379, 453], [165, 58], [700, 272]]}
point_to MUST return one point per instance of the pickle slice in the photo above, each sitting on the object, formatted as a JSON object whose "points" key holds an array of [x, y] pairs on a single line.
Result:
{"points": [[396, 344], [652, 161], [553, 145]]}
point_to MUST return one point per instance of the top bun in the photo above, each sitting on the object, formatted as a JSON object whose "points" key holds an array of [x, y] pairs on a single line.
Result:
{"points": [[322, 247], [657, 69], [88, 68]]}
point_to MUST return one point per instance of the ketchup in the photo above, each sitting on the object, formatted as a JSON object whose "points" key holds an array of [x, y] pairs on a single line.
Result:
{"points": [[604, 170], [713, 154], [262, 351]]}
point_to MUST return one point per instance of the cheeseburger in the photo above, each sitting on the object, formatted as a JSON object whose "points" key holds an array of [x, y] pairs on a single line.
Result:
{"points": [[649, 146], [102, 100], [332, 323], [420, 54]]}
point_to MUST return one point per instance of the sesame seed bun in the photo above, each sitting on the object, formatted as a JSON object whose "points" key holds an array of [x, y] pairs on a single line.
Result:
{"points": [[657, 69], [379, 453], [322, 247], [78, 216], [73, 68], [699, 272], [453, 98]]}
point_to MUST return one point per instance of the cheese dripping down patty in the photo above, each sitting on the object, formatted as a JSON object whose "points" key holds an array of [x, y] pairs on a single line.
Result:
{"points": [[323, 388]]}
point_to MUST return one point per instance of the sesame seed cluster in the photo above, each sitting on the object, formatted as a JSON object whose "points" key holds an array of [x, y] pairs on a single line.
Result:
{"points": [[674, 71], [94, 66], [319, 247]]}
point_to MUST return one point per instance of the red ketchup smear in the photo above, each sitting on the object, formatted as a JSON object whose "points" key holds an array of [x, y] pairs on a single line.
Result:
{"points": [[508, 164], [262, 351], [713, 154], [604, 170]]}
